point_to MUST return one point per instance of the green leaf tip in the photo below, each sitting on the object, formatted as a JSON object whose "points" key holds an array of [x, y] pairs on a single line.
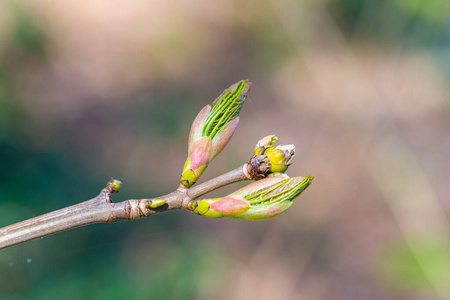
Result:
{"points": [[225, 108]]}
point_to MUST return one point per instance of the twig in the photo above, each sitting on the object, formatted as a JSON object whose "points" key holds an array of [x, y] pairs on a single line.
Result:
{"points": [[101, 209], [210, 132]]}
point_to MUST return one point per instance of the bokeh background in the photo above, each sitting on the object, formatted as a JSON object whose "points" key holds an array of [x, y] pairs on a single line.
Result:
{"points": [[94, 89]]}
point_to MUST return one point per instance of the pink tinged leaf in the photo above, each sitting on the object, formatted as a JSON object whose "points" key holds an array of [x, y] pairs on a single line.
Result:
{"points": [[258, 185], [266, 212], [197, 126], [222, 139], [231, 205], [200, 153]]}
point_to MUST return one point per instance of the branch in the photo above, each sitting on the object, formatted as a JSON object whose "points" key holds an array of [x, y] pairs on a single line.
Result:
{"points": [[101, 209], [238, 174], [210, 132]]}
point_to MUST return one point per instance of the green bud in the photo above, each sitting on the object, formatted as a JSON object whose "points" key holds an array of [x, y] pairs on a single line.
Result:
{"points": [[188, 178], [154, 203], [114, 185], [263, 199], [280, 157], [264, 143], [212, 129]]}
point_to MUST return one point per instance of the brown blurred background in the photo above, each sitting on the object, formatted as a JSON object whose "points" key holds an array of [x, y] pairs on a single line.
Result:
{"points": [[94, 89]]}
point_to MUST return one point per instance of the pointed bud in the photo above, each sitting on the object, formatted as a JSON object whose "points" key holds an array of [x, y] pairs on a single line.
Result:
{"points": [[263, 199], [217, 123]]}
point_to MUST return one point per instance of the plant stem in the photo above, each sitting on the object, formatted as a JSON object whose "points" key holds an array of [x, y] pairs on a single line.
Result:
{"points": [[233, 176], [101, 209], [88, 212]]}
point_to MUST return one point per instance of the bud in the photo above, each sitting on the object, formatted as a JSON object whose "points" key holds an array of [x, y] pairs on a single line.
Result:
{"points": [[280, 157], [264, 143], [212, 129], [114, 185], [263, 199], [154, 203]]}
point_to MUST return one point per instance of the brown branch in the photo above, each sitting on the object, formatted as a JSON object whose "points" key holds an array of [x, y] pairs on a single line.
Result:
{"points": [[88, 212], [236, 175], [101, 209]]}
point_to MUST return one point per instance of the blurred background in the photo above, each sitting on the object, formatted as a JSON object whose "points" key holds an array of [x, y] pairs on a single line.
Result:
{"points": [[90, 90]]}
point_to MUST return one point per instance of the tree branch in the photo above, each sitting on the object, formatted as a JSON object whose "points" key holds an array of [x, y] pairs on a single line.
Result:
{"points": [[101, 209], [210, 132], [236, 175]]}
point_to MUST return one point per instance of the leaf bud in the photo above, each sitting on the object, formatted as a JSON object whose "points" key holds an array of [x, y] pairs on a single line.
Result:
{"points": [[260, 200], [280, 157], [212, 129], [114, 185]]}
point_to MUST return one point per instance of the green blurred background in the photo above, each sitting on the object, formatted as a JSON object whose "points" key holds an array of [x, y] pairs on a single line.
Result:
{"points": [[94, 89]]}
